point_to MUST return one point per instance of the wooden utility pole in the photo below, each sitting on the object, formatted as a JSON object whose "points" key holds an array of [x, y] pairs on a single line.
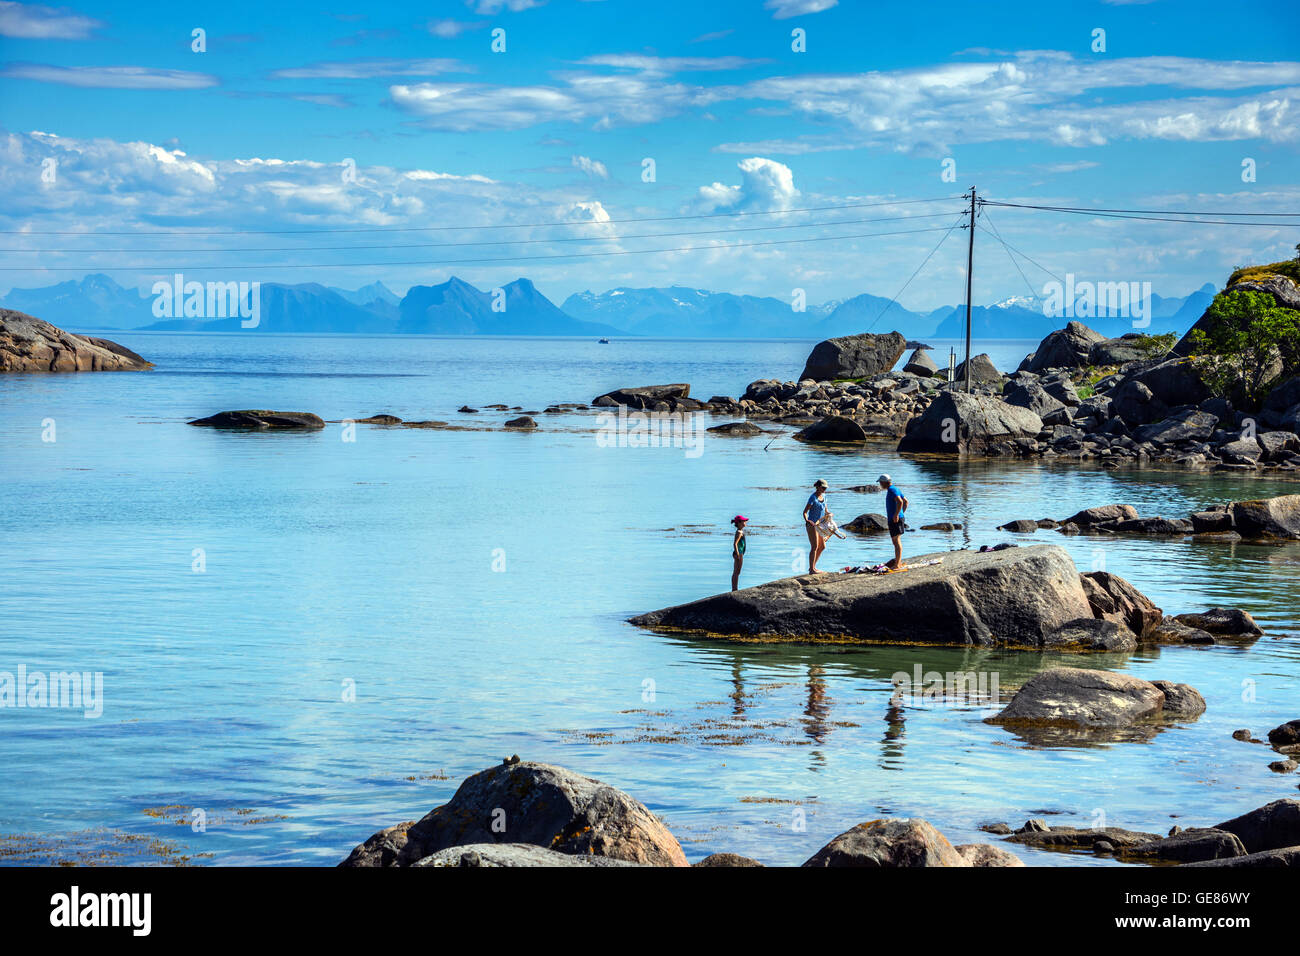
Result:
{"points": [[970, 265]]}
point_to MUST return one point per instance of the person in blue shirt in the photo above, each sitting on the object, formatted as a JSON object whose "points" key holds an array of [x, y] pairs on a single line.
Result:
{"points": [[895, 512], [812, 513]]}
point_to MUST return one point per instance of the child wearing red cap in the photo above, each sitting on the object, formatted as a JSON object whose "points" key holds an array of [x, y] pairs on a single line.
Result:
{"points": [[737, 550]]}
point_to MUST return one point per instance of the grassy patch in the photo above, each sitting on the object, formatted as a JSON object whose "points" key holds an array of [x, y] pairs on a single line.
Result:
{"points": [[1290, 268]]}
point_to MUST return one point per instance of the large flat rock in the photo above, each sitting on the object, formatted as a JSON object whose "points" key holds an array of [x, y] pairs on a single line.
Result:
{"points": [[1016, 598]]}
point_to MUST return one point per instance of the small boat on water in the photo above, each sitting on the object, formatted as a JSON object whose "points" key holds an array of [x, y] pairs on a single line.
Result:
{"points": [[603, 342]]}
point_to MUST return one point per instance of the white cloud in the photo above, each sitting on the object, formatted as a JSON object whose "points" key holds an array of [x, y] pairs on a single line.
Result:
{"points": [[450, 29], [591, 167], [784, 9], [765, 186], [662, 65], [369, 69], [606, 101], [493, 7], [32, 21], [111, 77]]}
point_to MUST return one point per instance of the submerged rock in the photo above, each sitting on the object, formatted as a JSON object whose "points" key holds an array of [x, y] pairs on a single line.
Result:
{"points": [[1073, 698], [261, 419], [887, 844], [644, 396], [833, 428], [532, 803], [1229, 623], [726, 860], [1075, 838], [1015, 597], [523, 422], [1188, 846], [29, 344], [743, 429], [870, 523]]}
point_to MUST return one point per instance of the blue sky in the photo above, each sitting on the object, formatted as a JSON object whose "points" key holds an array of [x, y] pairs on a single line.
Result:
{"points": [[147, 135]]}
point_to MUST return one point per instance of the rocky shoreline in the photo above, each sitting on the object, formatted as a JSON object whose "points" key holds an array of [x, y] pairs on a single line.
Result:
{"points": [[525, 814], [1078, 397]]}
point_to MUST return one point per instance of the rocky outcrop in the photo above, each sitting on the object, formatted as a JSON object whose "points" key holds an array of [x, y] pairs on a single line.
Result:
{"points": [[920, 363], [531, 803], [263, 420], [982, 372], [854, 356], [1112, 598], [958, 423], [523, 423], [513, 854], [29, 344], [1283, 290], [1069, 347], [1285, 738], [1090, 634], [1118, 351], [888, 844], [984, 854], [1286, 858], [1273, 826], [1074, 698], [1016, 597], [1267, 518]]}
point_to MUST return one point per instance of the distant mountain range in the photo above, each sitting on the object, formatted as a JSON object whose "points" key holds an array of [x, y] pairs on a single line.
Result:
{"points": [[455, 307]]}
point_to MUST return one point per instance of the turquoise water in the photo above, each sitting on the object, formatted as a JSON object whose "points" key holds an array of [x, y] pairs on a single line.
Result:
{"points": [[469, 589]]}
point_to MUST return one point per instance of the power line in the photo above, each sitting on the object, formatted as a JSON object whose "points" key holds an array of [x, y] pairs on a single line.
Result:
{"points": [[452, 262], [530, 225], [498, 242], [1025, 257], [996, 234], [1170, 212], [916, 272], [1107, 214]]}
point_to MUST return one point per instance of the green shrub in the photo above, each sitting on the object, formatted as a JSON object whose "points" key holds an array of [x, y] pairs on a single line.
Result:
{"points": [[1245, 335]]}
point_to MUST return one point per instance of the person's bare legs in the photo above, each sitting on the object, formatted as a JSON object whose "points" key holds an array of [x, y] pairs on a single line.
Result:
{"points": [[897, 562], [815, 546], [735, 573]]}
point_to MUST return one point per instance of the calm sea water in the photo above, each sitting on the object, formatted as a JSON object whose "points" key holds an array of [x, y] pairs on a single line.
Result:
{"points": [[375, 620]]}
